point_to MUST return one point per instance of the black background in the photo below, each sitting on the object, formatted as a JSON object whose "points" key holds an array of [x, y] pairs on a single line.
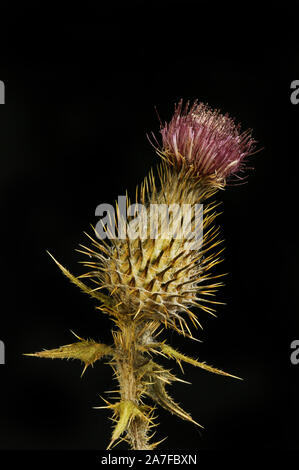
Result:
{"points": [[81, 91]]}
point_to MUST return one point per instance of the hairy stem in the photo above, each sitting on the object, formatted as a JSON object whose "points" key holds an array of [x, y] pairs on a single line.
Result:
{"points": [[130, 384]]}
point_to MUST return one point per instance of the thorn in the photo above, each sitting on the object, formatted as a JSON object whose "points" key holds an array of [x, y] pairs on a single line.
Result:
{"points": [[85, 367], [81, 339], [155, 444]]}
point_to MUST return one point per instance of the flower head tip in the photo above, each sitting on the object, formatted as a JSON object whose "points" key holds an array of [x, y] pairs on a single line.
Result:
{"points": [[205, 141]]}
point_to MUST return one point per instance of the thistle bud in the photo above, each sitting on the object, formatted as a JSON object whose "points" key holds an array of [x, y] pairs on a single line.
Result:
{"points": [[161, 275]]}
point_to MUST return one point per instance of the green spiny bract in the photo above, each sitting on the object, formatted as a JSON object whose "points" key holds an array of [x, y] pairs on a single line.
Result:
{"points": [[152, 283]]}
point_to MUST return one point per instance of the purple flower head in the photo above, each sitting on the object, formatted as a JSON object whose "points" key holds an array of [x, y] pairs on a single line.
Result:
{"points": [[205, 140]]}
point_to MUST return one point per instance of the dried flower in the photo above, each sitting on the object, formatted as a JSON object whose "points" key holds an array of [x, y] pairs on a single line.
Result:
{"points": [[208, 142]]}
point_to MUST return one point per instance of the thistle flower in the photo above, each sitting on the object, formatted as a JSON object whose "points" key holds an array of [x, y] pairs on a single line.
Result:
{"points": [[153, 283], [208, 142]]}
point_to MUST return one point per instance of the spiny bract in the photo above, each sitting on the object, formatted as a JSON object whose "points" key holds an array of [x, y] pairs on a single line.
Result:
{"points": [[160, 278]]}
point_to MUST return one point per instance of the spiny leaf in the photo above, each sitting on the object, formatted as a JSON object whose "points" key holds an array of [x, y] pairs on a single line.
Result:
{"points": [[153, 369], [172, 353], [156, 391], [126, 411], [106, 300], [88, 351]]}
